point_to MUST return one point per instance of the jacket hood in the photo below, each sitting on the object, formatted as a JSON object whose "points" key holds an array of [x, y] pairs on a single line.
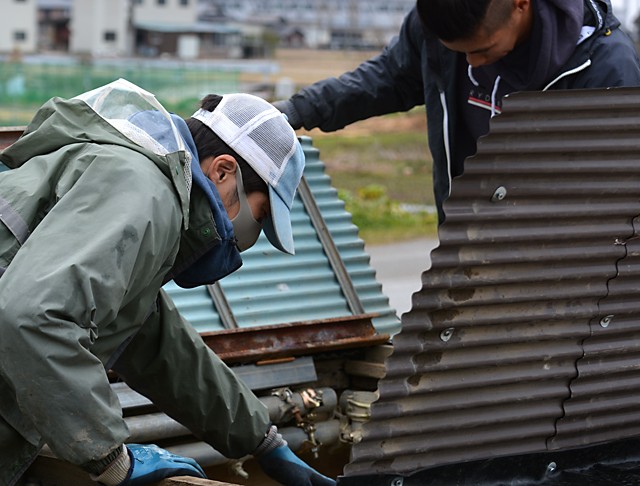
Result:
{"points": [[124, 114], [556, 30], [108, 115], [225, 257], [560, 23]]}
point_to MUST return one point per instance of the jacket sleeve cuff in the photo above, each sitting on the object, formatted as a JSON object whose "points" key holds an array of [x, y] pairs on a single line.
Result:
{"points": [[117, 469], [272, 440], [288, 108]]}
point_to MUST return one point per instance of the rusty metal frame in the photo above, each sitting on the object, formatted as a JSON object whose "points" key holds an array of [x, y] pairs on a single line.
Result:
{"points": [[294, 339], [8, 135]]}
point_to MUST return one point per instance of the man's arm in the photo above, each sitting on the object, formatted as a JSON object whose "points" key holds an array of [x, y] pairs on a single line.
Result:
{"points": [[388, 83], [169, 363]]}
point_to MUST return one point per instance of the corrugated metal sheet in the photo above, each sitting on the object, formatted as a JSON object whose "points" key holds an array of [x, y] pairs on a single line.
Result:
{"points": [[274, 288], [524, 336]]}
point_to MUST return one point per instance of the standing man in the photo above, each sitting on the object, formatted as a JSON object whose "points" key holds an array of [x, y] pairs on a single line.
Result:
{"points": [[460, 58], [109, 198]]}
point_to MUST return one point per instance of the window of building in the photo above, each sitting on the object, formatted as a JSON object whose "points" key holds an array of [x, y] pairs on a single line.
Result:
{"points": [[20, 35], [138, 2], [162, 2], [21, 1], [184, 2], [110, 36]]}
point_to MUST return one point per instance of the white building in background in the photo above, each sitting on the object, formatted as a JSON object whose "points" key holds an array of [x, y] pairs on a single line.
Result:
{"points": [[18, 26], [99, 27], [174, 12], [324, 23], [167, 26], [107, 27]]}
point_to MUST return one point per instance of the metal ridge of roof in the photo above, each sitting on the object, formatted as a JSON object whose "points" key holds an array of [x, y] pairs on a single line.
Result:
{"points": [[524, 336]]}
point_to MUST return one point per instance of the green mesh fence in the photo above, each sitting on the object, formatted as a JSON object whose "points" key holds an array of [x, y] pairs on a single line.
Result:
{"points": [[25, 86]]}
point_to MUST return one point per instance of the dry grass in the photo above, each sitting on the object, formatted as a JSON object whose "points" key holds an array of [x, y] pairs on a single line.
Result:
{"points": [[305, 66]]}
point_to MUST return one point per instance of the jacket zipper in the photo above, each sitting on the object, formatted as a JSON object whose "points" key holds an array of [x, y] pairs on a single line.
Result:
{"points": [[445, 136]]}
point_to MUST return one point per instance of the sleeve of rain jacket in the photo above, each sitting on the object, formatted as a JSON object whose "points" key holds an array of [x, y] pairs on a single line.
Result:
{"points": [[388, 83], [110, 236], [169, 363]]}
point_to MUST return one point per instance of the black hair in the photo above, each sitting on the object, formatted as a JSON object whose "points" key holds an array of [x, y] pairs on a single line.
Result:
{"points": [[453, 20], [209, 143]]}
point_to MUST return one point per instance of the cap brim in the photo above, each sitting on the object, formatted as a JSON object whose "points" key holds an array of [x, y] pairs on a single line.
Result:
{"points": [[277, 228]]}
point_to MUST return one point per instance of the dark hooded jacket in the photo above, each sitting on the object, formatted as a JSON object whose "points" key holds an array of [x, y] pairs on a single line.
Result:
{"points": [[415, 69]]}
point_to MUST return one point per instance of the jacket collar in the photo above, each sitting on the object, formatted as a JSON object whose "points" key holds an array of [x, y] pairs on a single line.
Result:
{"points": [[208, 249]]}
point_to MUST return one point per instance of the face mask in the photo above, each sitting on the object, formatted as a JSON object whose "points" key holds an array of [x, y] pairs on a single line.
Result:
{"points": [[246, 229]]}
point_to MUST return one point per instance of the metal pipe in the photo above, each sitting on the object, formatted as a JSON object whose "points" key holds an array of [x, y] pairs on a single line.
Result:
{"points": [[280, 409], [327, 433], [154, 426]]}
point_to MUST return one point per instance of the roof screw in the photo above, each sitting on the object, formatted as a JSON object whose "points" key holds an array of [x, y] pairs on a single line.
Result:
{"points": [[499, 194], [397, 482], [551, 467], [605, 321], [446, 334]]}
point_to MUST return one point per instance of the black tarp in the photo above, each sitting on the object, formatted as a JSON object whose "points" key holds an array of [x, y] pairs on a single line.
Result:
{"points": [[613, 463]]}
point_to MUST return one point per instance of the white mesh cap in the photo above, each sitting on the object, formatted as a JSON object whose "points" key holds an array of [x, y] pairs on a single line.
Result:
{"points": [[261, 135]]}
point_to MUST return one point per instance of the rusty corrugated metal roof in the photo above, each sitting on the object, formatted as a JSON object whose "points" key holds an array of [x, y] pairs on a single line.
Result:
{"points": [[525, 335]]}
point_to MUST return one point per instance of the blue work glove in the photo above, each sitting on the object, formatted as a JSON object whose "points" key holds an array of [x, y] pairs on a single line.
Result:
{"points": [[150, 463], [284, 466]]}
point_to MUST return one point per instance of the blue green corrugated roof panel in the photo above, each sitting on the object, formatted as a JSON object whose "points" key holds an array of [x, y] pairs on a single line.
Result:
{"points": [[274, 288]]}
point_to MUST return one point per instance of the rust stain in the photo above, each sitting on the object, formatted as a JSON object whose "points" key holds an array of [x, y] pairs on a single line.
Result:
{"points": [[294, 339]]}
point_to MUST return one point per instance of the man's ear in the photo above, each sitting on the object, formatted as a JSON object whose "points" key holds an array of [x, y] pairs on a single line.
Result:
{"points": [[221, 167]]}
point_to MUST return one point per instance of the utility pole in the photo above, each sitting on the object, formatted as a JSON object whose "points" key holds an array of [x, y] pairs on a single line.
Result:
{"points": [[130, 29], [354, 21]]}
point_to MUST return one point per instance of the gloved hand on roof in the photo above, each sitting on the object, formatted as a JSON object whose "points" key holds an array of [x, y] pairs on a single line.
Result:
{"points": [[278, 461], [290, 111], [140, 464], [150, 463]]}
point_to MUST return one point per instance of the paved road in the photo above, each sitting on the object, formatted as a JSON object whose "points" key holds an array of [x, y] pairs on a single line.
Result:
{"points": [[398, 268]]}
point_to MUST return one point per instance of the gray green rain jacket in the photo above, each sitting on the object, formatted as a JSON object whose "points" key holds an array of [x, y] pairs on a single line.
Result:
{"points": [[110, 216]]}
